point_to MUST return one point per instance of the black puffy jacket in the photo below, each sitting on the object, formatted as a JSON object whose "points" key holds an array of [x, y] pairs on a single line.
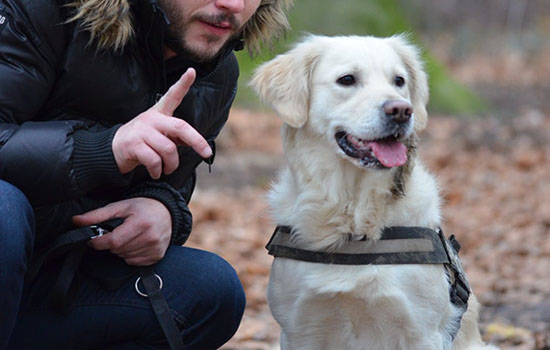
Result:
{"points": [[62, 100]]}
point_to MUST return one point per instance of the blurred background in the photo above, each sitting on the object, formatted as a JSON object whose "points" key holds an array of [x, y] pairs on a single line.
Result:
{"points": [[488, 143]]}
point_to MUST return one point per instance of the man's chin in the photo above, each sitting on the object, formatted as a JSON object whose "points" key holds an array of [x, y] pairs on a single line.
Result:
{"points": [[203, 52]]}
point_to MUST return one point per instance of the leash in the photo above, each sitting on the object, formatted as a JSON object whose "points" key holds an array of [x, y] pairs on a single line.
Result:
{"points": [[110, 271], [153, 286]]}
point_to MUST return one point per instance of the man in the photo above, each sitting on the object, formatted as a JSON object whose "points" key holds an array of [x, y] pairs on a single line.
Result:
{"points": [[89, 131]]}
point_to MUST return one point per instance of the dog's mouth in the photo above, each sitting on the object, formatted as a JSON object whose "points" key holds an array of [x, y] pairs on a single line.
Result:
{"points": [[387, 152]]}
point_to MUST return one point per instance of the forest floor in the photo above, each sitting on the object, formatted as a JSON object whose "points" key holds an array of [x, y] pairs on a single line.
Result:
{"points": [[494, 174]]}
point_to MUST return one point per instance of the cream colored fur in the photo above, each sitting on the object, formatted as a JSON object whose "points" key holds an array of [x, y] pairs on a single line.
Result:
{"points": [[325, 195]]}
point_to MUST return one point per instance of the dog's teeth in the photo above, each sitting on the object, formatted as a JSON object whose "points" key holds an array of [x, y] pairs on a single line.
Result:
{"points": [[354, 140]]}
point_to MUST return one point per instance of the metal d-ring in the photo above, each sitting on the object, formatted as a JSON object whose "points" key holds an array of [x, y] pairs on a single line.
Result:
{"points": [[144, 294]]}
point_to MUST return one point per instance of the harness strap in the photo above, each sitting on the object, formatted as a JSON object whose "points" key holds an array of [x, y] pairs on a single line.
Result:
{"points": [[160, 307], [460, 291], [397, 245]]}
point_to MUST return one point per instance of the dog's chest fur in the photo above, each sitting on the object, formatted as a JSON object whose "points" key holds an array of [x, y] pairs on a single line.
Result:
{"points": [[360, 307]]}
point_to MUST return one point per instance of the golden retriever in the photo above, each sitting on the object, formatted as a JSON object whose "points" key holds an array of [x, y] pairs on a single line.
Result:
{"points": [[351, 108]]}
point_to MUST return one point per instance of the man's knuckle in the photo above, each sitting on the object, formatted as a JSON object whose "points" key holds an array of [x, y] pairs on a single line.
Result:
{"points": [[146, 118], [170, 148], [180, 125], [150, 240], [121, 208], [116, 242], [154, 162], [146, 225]]}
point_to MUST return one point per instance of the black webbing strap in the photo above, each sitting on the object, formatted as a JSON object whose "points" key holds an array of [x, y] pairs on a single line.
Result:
{"points": [[62, 245], [160, 307], [65, 290], [460, 287], [397, 245]]}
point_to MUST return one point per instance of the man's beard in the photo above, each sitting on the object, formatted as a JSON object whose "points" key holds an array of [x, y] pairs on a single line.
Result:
{"points": [[176, 34], [178, 44]]}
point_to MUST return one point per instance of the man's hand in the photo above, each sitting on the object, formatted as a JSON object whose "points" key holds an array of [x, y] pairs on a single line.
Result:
{"points": [[143, 237], [150, 139]]}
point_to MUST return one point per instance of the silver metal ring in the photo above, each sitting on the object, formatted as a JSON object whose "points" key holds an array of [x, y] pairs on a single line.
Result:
{"points": [[144, 294]]}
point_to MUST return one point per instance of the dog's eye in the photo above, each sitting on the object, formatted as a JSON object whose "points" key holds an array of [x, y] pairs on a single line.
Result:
{"points": [[399, 81], [346, 80]]}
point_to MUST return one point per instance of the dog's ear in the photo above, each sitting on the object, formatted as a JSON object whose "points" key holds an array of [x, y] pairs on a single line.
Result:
{"points": [[284, 82], [418, 80]]}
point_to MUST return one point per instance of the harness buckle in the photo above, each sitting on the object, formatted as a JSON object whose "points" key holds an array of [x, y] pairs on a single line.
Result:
{"points": [[98, 231], [105, 227]]}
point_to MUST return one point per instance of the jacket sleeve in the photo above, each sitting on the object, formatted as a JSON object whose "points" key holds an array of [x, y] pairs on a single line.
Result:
{"points": [[50, 161]]}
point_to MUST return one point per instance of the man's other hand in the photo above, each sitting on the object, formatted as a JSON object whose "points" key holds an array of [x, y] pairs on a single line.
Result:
{"points": [[143, 237], [150, 139]]}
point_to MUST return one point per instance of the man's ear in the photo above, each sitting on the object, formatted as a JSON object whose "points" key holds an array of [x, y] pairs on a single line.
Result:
{"points": [[284, 82], [418, 80]]}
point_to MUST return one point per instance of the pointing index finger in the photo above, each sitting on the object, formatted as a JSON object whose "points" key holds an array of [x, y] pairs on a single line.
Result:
{"points": [[173, 97], [184, 134]]}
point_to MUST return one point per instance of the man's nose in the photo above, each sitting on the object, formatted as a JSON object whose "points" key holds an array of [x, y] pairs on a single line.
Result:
{"points": [[234, 6]]}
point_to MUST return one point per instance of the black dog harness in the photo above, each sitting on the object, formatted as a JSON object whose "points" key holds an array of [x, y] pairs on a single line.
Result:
{"points": [[397, 245]]}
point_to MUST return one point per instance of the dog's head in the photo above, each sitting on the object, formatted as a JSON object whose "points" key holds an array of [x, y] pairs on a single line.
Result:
{"points": [[365, 96]]}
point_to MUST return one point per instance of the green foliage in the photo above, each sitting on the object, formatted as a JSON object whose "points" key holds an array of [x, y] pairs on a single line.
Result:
{"points": [[361, 17]]}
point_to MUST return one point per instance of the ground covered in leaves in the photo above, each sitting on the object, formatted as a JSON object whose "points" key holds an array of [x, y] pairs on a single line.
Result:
{"points": [[494, 176]]}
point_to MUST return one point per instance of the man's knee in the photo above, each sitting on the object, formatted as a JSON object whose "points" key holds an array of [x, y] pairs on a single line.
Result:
{"points": [[223, 290], [217, 296], [16, 221]]}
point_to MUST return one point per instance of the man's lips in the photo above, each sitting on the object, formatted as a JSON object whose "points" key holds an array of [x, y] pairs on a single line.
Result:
{"points": [[218, 28]]}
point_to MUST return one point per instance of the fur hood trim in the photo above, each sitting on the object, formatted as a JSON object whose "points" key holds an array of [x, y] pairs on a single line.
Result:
{"points": [[110, 22], [267, 24]]}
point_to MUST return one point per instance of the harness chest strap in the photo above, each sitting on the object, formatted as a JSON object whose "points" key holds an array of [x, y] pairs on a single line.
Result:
{"points": [[397, 245]]}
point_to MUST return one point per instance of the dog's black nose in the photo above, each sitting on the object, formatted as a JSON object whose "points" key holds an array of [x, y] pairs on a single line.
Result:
{"points": [[398, 111]]}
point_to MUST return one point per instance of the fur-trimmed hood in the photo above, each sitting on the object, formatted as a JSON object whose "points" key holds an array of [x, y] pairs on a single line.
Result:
{"points": [[110, 22]]}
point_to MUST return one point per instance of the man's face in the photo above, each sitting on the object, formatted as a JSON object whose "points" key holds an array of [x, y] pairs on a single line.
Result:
{"points": [[201, 28]]}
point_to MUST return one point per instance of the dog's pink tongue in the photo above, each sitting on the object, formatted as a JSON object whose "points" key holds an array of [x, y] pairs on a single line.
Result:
{"points": [[390, 153]]}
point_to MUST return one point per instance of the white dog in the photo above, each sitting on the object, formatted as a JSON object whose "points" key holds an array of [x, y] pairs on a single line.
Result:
{"points": [[351, 108]]}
